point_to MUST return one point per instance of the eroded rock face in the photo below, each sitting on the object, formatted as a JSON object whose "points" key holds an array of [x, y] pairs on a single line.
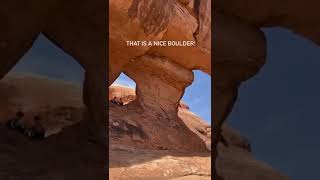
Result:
{"points": [[198, 126], [133, 126], [124, 25], [160, 82], [141, 20], [138, 124]]}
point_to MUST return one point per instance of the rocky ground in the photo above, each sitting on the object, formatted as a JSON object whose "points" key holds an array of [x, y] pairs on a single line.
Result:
{"points": [[69, 155], [141, 146]]}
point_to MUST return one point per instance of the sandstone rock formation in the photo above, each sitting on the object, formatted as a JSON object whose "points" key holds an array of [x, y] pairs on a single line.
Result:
{"points": [[160, 83], [160, 72], [148, 126], [195, 124], [63, 22], [122, 93], [153, 20], [39, 96], [239, 49]]}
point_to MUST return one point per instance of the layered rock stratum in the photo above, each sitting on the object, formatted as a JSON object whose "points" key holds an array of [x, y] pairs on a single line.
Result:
{"points": [[142, 145]]}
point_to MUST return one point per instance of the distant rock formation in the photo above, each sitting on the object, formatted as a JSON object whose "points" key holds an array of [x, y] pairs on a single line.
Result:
{"points": [[57, 106], [68, 153]]}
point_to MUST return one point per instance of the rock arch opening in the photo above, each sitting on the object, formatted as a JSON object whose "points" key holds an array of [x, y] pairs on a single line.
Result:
{"points": [[45, 83], [46, 59], [122, 90], [125, 80]]}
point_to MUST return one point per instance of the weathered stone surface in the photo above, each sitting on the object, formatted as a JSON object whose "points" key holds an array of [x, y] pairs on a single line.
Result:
{"points": [[160, 82], [155, 20], [125, 25], [197, 125], [147, 128], [184, 2], [203, 33], [183, 26]]}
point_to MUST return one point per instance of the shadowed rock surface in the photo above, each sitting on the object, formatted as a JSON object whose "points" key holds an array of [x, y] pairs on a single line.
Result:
{"points": [[66, 155], [239, 45], [62, 22]]}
